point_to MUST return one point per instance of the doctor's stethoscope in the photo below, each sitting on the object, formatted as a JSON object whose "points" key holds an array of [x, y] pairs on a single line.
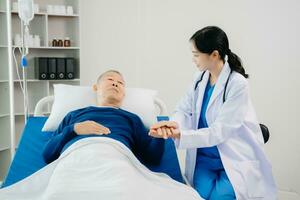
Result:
{"points": [[264, 128], [203, 73]]}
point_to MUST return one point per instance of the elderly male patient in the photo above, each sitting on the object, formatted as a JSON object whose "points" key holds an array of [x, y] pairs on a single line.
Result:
{"points": [[106, 120]]}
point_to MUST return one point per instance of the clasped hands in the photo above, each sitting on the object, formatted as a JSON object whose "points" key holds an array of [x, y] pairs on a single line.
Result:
{"points": [[165, 129]]}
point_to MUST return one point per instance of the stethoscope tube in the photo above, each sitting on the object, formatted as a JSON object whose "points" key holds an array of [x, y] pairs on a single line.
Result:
{"points": [[197, 83]]}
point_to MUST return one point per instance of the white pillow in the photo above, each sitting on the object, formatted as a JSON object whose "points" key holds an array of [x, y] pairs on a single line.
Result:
{"points": [[68, 98]]}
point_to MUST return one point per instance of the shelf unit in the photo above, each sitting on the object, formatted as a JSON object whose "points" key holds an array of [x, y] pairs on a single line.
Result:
{"points": [[47, 26]]}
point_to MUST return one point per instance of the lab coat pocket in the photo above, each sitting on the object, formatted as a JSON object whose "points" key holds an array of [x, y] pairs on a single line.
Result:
{"points": [[252, 177]]}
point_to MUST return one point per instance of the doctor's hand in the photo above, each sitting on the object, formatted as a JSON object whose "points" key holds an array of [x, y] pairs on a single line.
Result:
{"points": [[90, 127], [165, 129]]}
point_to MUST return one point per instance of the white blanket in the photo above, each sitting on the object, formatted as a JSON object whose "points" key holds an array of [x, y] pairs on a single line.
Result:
{"points": [[97, 168]]}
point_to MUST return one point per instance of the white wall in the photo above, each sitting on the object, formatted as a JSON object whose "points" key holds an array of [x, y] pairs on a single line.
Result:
{"points": [[148, 41]]}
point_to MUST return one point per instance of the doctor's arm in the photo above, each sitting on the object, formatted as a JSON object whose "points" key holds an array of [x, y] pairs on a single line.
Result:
{"points": [[230, 118]]}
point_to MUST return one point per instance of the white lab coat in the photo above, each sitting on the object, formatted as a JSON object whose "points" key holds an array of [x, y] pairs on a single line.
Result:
{"points": [[233, 128]]}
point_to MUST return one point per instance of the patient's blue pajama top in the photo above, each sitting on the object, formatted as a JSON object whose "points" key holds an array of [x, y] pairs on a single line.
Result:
{"points": [[210, 179], [124, 126]]}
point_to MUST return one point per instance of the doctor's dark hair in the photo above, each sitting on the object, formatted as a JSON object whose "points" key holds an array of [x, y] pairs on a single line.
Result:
{"points": [[213, 38]]}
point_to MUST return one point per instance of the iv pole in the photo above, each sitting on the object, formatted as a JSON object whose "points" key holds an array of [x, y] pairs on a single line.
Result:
{"points": [[26, 14]]}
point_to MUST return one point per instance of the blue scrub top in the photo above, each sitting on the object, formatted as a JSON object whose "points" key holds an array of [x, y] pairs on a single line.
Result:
{"points": [[209, 156]]}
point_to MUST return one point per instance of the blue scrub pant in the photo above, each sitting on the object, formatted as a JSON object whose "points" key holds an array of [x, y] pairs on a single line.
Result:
{"points": [[213, 184]]}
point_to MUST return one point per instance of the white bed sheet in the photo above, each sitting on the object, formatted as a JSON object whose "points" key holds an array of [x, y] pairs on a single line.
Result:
{"points": [[97, 168]]}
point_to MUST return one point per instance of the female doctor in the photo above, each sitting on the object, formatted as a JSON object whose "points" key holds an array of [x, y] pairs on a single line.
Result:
{"points": [[225, 158]]}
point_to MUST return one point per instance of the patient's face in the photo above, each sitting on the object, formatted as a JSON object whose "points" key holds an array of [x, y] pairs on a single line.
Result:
{"points": [[111, 88]]}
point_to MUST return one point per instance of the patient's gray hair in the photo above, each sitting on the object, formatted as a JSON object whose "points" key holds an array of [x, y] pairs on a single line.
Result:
{"points": [[109, 71]]}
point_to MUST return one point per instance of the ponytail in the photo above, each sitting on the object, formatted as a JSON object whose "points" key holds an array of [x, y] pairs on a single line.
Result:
{"points": [[235, 63]]}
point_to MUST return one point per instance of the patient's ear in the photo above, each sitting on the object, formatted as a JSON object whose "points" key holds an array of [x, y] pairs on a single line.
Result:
{"points": [[95, 88]]}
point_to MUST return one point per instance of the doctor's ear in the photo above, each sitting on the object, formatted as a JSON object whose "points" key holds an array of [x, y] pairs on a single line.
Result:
{"points": [[215, 54], [95, 88]]}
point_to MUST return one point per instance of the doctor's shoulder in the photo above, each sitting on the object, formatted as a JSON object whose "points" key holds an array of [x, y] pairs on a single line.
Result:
{"points": [[237, 82]]}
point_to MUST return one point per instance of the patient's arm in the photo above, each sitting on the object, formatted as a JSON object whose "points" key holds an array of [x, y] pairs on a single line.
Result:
{"points": [[60, 137], [148, 149], [66, 131]]}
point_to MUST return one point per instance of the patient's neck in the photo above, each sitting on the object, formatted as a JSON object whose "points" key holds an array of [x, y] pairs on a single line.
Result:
{"points": [[108, 104]]}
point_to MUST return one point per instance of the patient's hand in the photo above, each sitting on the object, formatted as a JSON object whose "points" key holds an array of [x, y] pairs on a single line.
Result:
{"points": [[90, 127], [165, 129]]}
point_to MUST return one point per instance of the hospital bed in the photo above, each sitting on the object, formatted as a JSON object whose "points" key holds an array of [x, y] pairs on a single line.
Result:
{"points": [[28, 158]]}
